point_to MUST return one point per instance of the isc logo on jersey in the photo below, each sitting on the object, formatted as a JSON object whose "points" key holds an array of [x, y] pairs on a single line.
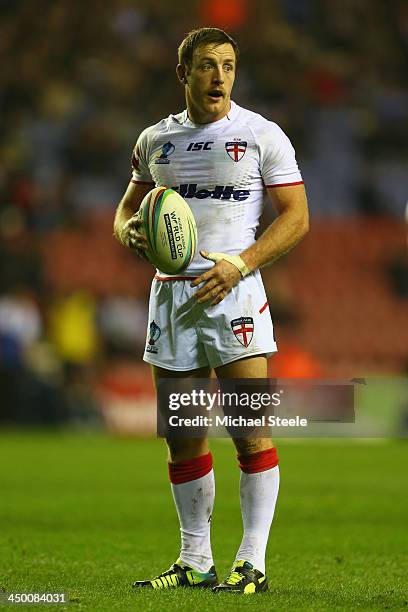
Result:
{"points": [[200, 146], [221, 192]]}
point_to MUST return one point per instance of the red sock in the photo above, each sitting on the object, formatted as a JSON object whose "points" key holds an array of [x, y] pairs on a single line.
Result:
{"points": [[184, 471], [258, 462]]}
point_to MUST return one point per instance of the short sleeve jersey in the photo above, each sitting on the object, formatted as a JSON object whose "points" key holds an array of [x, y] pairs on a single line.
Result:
{"points": [[221, 169]]}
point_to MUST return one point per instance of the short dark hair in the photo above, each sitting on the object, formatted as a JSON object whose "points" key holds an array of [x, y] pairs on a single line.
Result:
{"points": [[203, 36]]}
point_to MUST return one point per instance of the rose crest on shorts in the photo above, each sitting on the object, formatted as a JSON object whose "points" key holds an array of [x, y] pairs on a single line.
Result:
{"points": [[243, 330]]}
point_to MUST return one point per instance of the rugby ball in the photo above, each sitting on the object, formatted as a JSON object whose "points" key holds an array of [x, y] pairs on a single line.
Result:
{"points": [[170, 229]]}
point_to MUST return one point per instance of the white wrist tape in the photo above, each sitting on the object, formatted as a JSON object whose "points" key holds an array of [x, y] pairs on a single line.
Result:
{"points": [[235, 260]]}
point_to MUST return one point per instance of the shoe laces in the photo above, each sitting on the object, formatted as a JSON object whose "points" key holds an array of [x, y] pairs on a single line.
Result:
{"points": [[168, 572], [166, 579], [235, 577]]}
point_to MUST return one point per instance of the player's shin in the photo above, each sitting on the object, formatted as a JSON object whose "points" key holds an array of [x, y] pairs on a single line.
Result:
{"points": [[259, 486], [193, 488]]}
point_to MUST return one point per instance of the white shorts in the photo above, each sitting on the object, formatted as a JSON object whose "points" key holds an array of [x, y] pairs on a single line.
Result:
{"points": [[184, 335]]}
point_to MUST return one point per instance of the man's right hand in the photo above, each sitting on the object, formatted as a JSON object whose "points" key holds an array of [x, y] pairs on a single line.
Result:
{"points": [[132, 238]]}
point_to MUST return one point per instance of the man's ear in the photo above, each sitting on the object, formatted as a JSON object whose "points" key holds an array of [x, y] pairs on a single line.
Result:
{"points": [[181, 74]]}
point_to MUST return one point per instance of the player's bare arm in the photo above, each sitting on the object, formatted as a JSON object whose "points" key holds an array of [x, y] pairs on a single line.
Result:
{"points": [[281, 236], [291, 225], [125, 225]]}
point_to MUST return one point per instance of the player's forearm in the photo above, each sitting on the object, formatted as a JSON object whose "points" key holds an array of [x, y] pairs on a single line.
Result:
{"points": [[128, 206], [124, 212], [279, 238]]}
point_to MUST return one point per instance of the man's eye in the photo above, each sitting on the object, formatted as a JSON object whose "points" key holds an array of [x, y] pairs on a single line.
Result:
{"points": [[227, 67], [206, 66]]}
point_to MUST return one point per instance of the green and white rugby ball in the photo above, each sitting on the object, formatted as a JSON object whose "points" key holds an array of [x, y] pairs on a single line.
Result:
{"points": [[170, 229]]}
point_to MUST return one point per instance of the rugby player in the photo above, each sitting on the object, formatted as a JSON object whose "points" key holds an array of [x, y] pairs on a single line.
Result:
{"points": [[222, 159]]}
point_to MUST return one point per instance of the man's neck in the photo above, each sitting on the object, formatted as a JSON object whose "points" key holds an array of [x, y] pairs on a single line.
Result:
{"points": [[201, 119]]}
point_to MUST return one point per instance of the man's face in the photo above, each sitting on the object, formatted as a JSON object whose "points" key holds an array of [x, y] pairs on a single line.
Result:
{"points": [[209, 82]]}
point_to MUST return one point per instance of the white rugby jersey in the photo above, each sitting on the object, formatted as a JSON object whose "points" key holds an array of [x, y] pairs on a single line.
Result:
{"points": [[221, 169]]}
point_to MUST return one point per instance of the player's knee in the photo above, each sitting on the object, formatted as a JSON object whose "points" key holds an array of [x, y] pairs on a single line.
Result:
{"points": [[249, 446], [183, 450]]}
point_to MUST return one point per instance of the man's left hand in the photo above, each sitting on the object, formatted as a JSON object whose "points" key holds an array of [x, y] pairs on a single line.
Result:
{"points": [[218, 281]]}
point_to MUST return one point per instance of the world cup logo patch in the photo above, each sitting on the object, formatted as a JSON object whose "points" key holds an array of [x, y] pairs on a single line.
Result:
{"points": [[167, 149], [243, 330], [154, 335]]}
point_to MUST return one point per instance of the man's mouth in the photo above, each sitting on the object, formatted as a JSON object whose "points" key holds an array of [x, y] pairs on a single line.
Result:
{"points": [[215, 94]]}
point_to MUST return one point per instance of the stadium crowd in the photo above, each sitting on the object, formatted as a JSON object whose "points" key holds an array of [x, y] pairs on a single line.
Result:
{"points": [[78, 84]]}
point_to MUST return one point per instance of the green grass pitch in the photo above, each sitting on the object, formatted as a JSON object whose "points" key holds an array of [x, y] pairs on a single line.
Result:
{"points": [[87, 514]]}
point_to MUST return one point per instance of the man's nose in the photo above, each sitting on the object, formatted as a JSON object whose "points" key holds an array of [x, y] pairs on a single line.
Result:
{"points": [[218, 75]]}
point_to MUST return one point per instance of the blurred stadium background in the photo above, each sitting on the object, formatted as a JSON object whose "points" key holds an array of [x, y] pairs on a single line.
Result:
{"points": [[80, 81]]}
